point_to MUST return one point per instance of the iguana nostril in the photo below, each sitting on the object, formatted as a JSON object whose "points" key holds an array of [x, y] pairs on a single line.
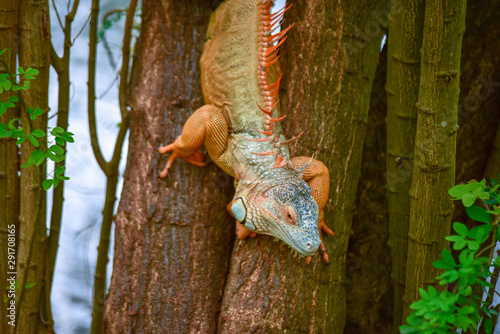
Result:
{"points": [[308, 245]]}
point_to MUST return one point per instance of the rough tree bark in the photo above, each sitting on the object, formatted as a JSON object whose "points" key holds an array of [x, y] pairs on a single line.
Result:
{"points": [[403, 77], [329, 63], [435, 143], [173, 235], [9, 162], [369, 286], [34, 51]]}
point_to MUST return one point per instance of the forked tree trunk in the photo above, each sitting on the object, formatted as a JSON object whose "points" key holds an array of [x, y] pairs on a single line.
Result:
{"points": [[403, 78], [435, 143], [173, 236], [34, 51], [9, 161], [329, 62]]}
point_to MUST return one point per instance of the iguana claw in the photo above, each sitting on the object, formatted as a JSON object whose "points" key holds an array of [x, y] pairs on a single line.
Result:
{"points": [[324, 254], [195, 158]]}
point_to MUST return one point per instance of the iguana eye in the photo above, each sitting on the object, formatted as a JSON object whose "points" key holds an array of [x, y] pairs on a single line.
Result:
{"points": [[290, 217]]}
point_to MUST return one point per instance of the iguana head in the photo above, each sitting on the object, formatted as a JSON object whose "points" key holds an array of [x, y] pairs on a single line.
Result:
{"points": [[286, 211]]}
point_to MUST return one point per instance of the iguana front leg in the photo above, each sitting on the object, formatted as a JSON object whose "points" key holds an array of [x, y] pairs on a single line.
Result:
{"points": [[207, 125], [318, 177]]}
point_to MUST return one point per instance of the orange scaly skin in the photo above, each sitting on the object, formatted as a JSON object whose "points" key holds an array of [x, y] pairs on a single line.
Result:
{"points": [[275, 194]]}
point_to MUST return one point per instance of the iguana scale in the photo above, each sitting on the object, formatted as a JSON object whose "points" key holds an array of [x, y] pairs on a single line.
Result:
{"points": [[276, 195]]}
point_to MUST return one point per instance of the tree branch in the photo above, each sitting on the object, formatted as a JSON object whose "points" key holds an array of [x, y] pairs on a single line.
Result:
{"points": [[112, 181], [94, 13], [61, 65]]}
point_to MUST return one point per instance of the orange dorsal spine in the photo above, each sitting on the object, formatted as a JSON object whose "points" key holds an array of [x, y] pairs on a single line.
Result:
{"points": [[269, 44]]}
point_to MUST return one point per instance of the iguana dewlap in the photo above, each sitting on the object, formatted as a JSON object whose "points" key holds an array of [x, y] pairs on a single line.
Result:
{"points": [[275, 194]]}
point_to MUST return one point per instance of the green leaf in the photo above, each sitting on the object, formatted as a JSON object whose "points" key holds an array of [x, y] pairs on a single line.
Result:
{"points": [[478, 214], [41, 159], [35, 155], [3, 108], [468, 199], [30, 285], [405, 329], [423, 293], [488, 328], [60, 171], [459, 191], [458, 241], [33, 140], [68, 136], [478, 232], [55, 157], [466, 258], [13, 98], [20, 70], [2, 51], [56, 182], [38, 112], [11, 123], [21, 139], [31, 73], [47, 184], [448, 258], [441, 265], [467, 291], [56, 149], [57, 129], [460, 228], [7, 85], [38, 133]]}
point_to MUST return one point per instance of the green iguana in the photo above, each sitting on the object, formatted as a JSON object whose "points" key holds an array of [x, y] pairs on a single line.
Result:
{"points": [[276, 195]]}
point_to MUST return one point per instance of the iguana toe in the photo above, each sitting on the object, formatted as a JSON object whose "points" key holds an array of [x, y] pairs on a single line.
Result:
{"points": [[196, 158]]}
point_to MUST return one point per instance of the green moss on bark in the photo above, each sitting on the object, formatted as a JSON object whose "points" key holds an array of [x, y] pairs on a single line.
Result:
{"points": [[435, 142], [403, 77]]}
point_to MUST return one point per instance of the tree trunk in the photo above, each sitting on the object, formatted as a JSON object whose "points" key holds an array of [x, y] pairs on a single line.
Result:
{"points": [[479, 106], [9, 162], [329, 63], [34, 51], [403, 77], [173, 236], [493, 166], [369, 287], [435, 142]]}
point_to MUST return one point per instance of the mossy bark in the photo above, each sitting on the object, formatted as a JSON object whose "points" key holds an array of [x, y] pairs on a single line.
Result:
{"points": [[328, 65], [435, 143], [9, 157], [173, 236], [403, 77], [34, 51]]}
